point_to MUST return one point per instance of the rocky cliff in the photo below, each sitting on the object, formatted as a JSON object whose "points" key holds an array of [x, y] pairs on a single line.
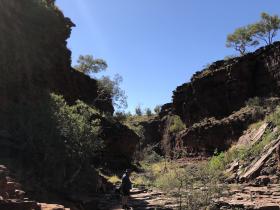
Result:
{"points": [[212, 103], [35, 62], [226, 85], [35, 58]]}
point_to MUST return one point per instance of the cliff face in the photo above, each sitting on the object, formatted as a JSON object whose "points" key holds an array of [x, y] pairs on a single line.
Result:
{"points": [[34, 62], [212, 104], [226, 85], [34, 57]]}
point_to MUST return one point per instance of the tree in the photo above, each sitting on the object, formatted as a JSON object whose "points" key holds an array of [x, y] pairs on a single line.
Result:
{"points": [[157, 109], [111, 88], [148, 112], [250, 35], [87, 64], [266, 29], [51, 2], [120, 116], [138, 110], [241, 39], [108, 89]]}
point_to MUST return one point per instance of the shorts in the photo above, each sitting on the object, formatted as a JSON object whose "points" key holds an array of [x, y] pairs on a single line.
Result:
{"points": [[125, 192]]}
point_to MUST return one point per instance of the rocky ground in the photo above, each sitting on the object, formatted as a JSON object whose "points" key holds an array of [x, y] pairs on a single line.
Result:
{"points": [[140, 199], [251, 197], [255, 183], [12, 197]]}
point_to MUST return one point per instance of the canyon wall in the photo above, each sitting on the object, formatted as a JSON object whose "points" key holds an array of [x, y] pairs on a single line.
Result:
{"points": [[226, 85], [213, 103], [34, 62], [34, 56]]}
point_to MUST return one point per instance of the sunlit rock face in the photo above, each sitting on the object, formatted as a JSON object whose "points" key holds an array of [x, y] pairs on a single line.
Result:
{"points": [[225, 86], [211, 104]]}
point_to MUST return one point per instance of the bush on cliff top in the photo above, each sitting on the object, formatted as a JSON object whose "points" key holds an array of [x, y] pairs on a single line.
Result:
{"points": [[251, 35]]}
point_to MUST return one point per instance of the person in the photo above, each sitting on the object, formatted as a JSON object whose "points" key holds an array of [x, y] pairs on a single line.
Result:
{"points": [[126, 186]]}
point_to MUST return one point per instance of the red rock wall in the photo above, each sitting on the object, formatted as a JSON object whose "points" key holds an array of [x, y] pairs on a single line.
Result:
{"points": [[34, 58], [225, 86]]}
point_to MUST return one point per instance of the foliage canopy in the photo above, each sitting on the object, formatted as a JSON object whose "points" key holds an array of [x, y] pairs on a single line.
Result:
{"points": [[107, 88], [88, 64], [251, 35], [266, 29], [111, 87], [241, 39]]}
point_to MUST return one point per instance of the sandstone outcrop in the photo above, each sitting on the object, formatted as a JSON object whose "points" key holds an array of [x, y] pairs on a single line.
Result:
{"points": [[155, 133], [120, 145], [211, 134], [226, 85], [212, 103]]}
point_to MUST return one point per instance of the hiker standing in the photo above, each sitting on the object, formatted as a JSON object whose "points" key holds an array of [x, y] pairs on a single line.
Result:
{"points": [[125, 188]]}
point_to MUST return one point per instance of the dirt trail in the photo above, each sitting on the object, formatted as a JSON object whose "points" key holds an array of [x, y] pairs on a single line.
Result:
{"points": [[139, 200]]}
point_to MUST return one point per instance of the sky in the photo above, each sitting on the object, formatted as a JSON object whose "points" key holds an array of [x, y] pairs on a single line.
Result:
{"points": [[157, 45]]}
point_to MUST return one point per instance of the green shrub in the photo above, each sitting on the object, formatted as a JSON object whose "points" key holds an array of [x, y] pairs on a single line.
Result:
{"points": [[275, 117], [157, 109], [169, 180], [193, 185], [120, 116], [57, 139], [148, 112], [217, 162], [138, 111], [176, 124], [253, 102], [220, 161], [149, 155], [79, 126]]}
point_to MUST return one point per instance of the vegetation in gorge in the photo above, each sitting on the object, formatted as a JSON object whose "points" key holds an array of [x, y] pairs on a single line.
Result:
{"points": [[157, 109], [107, 87], [59, 140], [63, 142], [111, 87], [193, 185], [243, 153], [176, 124], [87, 64], [79, 126]]}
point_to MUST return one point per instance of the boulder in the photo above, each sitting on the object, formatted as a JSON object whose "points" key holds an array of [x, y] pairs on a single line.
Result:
{"points": [[263, 180]]}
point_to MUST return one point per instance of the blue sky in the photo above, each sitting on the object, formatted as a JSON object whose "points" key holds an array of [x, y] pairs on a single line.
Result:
{"points": [[156, 45]]}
